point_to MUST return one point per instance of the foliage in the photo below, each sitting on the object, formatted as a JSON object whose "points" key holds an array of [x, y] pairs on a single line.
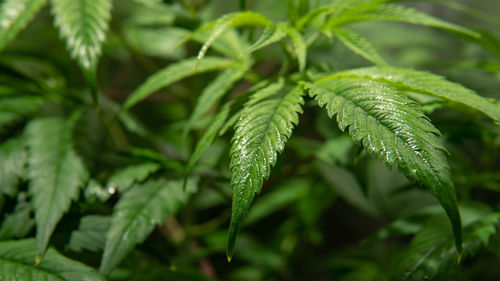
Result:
{"points": [[149, 139]]}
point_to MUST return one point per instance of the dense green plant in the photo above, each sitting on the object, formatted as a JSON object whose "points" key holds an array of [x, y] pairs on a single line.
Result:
{"points": [[103, 175]]}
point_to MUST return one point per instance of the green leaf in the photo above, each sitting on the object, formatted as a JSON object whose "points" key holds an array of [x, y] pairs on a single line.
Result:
{"points": [[226, 22], [83, 23], [17, 263], [271, 34], [281, 196], [91, 234], [56, 173], [391, 126], [299, 46], [425, 83], [15, 108], [137, 213], [214, 91], [359, 45], [261, 132], [11, 225], [391, 12], [13, 160], [208, 137], [431, 252], [174, 73], [15, 15], [125, 178]]}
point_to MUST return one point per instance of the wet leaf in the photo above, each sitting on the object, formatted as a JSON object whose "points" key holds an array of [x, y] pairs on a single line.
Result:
{"points": [[391, 126]]}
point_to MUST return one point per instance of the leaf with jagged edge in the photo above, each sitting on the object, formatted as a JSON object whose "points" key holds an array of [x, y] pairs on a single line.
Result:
{"points": [[226, 22], [17, 107], [319, 15], [390, 125], [56, 172], [431, 253], [359, 45], [208, 137], [125, 178], [17, 263], [137, 213], [12, 167], [392, 12], [271, 34], [425, 83], [299, 46], [215, 91], [83, 23], [11, 227], [91, 234], [174, 73], [15, 15], [264, 126], [237, 104]]}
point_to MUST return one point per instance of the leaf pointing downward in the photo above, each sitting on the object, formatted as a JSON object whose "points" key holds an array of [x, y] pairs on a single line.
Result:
{"points": [[83, 23], [261, 132], [55, 171], [391, 126]]}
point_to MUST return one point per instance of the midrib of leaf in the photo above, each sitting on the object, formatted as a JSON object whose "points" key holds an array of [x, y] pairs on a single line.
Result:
{"points": [[388, 128], [31, 268], [244, 189], [400, 83]]}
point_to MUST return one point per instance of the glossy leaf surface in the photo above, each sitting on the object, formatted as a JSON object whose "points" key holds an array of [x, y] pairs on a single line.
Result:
{"points": [[425, 83], [391, 126], [261, 132]]}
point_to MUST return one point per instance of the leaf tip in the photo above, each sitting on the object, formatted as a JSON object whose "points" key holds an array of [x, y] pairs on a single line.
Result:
{"points": [[38, 260]]}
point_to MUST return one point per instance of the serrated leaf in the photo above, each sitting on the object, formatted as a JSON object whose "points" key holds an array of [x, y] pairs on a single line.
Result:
{"points": [[17, 263], [431, 251], [359, 45], [333, 10], [83, 23], [13, 160], [214, 91], [17, 107], [299, 46], [125, 178], [271, 34], [226, 22], [264, 126], [11, 226], [391, 12], [15, 15], [425, 83], [391, 126], [56, 173], [174, 73], [91, 234], [137, 213], [208, 137]]}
